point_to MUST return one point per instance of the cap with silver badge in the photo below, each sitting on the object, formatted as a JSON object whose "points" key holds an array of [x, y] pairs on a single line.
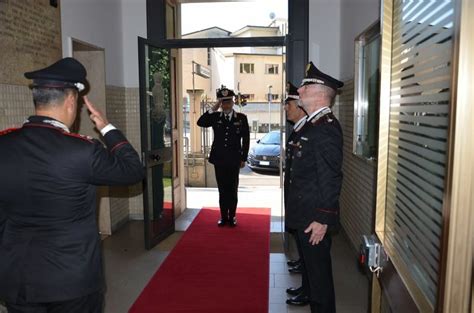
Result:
{"points": [[65, 73], [315, 76]]}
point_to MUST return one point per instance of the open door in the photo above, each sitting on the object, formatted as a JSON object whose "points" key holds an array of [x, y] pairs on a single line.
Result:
{"points": [[156, 106]]}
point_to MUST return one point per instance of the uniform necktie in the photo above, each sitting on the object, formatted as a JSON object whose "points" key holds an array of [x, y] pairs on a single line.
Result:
{"points": [[227, 117]]}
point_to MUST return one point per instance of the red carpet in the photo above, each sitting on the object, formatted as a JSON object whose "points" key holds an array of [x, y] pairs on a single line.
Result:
{"points": [[214, 269]]}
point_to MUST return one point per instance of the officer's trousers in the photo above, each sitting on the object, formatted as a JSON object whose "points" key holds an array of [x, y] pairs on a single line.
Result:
{"points": [[92, 303], [227, 177], [304, 276], [316, 261]]}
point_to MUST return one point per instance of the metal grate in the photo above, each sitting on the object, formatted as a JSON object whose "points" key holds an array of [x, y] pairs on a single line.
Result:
{"points": [[419, 117]]}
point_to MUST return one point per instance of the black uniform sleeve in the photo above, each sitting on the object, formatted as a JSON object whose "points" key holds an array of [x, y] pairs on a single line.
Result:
{"points": [[245, 138], [206, 120], [3, 220], [329, 172], [119, 164]]}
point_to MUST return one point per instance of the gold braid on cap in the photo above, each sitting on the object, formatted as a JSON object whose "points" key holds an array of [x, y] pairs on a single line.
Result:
{"points": [[308, 66]]}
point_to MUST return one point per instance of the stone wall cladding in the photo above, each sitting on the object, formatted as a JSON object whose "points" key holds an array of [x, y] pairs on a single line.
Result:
{"points": [[16, 104], [132, 108], [117, 115]]}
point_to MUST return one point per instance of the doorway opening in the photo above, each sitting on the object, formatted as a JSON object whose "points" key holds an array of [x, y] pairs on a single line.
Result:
{"points": [[259, 93], [257, 76], [93, 59], [249, 59]]}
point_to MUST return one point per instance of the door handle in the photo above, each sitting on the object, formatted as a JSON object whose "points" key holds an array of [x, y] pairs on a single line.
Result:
{"points": [[155, 157]]}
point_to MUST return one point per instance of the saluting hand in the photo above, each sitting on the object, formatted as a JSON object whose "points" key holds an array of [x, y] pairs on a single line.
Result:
{"points": [[317, 231], [96, 116], [217, 105]]}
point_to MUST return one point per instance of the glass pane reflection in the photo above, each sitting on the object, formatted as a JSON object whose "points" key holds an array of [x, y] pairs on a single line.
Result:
{"points": [[159, 82], [160, 210]]}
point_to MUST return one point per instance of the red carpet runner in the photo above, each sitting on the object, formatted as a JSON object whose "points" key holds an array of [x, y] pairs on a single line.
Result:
{"points": [[214, 269]]}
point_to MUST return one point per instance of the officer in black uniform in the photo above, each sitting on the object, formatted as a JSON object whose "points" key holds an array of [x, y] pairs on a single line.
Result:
{"points": [[315, 185], [50, 258], [228, 152], [296, 116]]}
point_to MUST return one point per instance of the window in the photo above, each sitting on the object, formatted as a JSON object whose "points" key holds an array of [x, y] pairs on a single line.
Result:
{"points": [[366, 92], [271, 68], [249, 96], [271, 96], [246, 68], [209, 56]]}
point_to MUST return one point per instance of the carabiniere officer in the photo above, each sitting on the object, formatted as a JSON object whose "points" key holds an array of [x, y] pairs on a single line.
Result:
{"points": [[229, 150], [315, 185]]}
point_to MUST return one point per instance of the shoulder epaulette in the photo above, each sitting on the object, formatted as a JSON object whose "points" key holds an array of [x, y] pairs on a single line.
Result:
{"points": [[8, 130], [83, 137], [241, 114]]}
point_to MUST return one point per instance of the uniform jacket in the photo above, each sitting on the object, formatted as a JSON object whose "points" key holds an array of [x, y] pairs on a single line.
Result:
{"points": [[293, 138], [315, 178], [49, 240], [231, 139]]}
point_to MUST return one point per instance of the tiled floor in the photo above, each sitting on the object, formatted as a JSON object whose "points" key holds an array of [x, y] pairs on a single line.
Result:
{"points": [[129, 267], [351, 286]]}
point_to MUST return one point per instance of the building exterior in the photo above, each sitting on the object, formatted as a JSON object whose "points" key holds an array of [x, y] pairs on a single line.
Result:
{"points": [[254, 72]]}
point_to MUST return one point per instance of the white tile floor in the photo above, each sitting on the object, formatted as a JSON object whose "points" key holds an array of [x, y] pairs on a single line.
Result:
{"points": [[129, 267]]}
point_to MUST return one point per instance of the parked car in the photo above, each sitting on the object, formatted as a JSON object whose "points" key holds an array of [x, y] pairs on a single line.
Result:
{"points": [[265, 155]]}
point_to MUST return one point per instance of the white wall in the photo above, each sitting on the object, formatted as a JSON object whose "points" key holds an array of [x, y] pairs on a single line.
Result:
{"points": [[133, 25], [333, 25], [356, 16], [324, 35], [217, 64], [115, 24], [97, 23], [110, 24]]}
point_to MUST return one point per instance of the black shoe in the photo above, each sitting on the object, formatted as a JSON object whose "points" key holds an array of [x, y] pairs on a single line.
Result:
{"points": [[298, 300], [294, 291], [293, 263], [295, 270], [233, 222], [221, 222]]}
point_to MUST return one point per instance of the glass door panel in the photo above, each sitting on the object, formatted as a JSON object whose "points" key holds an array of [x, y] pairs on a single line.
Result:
{"points": [[157, 141]]}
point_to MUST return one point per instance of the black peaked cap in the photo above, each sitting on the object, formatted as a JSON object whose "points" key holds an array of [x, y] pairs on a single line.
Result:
{"points": [[315, 76], [67, 72], [224, 93], [291, 92]]}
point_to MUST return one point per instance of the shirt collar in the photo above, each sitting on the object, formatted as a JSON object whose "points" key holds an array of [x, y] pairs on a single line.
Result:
{"points": [[299, 123], [317, 112], [230, 114], [47, 120]]}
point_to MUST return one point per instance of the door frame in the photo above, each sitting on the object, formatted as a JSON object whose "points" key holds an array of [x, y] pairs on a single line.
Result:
{"points": [[457, 282], [183, 44], [296, 42]]}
